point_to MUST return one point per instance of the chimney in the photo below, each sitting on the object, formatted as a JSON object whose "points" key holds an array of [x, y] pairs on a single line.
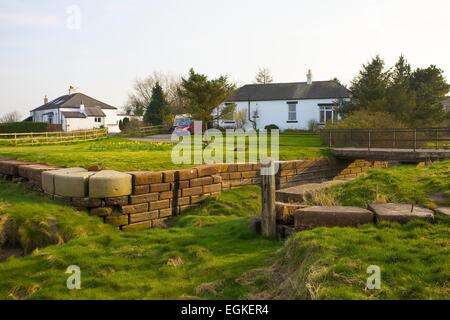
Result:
{"points": [[72, 89], [309, 77], [45, 99]]}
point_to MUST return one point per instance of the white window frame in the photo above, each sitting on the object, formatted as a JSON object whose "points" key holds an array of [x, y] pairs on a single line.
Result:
{"points": [[324, 110], [292, 113]]}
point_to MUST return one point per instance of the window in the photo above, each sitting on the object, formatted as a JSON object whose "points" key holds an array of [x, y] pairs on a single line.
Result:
{"points": [[98, 119], [50, 118], [328, 114], [292, 111]]}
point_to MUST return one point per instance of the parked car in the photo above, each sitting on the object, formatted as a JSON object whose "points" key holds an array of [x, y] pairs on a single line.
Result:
{"points": [[185, 127]]}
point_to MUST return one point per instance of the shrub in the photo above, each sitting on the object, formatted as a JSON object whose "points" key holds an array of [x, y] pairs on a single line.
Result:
{"points": [[313, 125], [271, 127], [364, 119], [23, 127]]}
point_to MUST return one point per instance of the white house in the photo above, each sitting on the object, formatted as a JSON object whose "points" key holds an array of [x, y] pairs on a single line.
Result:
{"points": [[287, 105], [77, 111]]}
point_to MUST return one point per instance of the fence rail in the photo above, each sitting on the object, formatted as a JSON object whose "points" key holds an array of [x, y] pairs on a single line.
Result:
{"points": [[413, 139], [41, 138]]}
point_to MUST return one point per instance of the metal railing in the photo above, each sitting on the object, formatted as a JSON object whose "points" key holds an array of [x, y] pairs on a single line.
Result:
{"points": [[43, 138], [395, 138]]}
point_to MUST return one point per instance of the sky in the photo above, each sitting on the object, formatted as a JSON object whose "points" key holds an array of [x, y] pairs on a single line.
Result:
{"points": [[103, 46]]}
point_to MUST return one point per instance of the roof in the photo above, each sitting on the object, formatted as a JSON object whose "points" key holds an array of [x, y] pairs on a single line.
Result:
{"points": [[291, 91], [94, 112], [446, 104], [74, 100], [70, 114]]}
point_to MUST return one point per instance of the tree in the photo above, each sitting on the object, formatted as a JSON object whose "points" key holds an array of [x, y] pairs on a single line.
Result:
{"points": [[430, 89], [141, 96], [157, 108], [401, 99], [203, 96], [264, 76], [240, 118], [10, 117], [368, 88]]}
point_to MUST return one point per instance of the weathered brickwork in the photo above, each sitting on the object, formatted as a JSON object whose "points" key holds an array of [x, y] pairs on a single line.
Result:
{"points": [[154, 197]]}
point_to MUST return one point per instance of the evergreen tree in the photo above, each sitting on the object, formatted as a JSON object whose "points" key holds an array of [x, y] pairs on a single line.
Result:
{"points": [[430, 89], [204, 96], [401, 99], [158, 107], [368, 88]]}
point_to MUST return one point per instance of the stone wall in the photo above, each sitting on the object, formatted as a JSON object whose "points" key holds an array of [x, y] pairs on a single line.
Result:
{"points": [[145, 199]]}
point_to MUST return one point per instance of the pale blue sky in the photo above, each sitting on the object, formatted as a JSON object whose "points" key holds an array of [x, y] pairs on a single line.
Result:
{"points": [[120, 40]]}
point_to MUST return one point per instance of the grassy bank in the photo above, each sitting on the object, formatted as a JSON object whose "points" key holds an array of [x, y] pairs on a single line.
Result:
{"points": [[209, 252], [121, 154]]}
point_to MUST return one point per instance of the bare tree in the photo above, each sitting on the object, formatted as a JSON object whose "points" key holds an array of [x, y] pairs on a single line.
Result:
{"points": [[264, 76], [141, 96], [240, 118], [13, 116]]}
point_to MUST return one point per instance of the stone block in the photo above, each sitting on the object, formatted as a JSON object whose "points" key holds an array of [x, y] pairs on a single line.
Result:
{"points": [[48, 177], [137, 226], [138, 190], [162, 204], [188, 174], [109, 184], [143, 216], [159, 187], [192, 191], [217, 179], [164, 213], [135, 208], [199, 198], [208, 170], [285, 212], [87, 202], [11, 167], [313, 217], [400, 212], [249, 174], [212, 188], [145, 177], [443, 210], [160, 223], [33, 172], [144, 198], [117, 201], [201, 181], [75, 184]]}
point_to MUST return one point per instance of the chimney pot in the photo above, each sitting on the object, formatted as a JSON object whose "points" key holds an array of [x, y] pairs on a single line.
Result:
{"points": [[45, 99], [309, 77]]}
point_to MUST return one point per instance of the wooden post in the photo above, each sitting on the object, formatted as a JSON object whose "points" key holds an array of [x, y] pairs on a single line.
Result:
{"points": [[415, 140], [330, 138], [369, 143], [437, 138], [395, 137], [15, 139], [268, 221]]}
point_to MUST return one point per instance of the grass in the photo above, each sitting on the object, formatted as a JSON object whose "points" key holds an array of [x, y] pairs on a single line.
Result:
{"points": [[210, 253], [122, 154], [428, 186]]}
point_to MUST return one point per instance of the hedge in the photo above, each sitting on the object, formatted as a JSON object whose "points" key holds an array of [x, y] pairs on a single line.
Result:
{"points": [[23, 127]]}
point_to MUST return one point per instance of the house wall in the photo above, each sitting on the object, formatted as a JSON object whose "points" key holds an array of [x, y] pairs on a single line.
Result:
{"points": [[276, 112], [111, 120], [73, 124]]}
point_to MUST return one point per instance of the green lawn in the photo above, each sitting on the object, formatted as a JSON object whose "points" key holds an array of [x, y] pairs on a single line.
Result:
{"points": [[209, 252], [121, 154]]}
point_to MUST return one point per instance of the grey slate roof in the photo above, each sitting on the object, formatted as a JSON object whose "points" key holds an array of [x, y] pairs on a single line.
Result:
{"points": [[74, 100], [290, 91], [72, 115], [94, 112]]}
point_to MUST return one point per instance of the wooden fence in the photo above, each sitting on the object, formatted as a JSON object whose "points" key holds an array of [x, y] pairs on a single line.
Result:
{"points": [[431, 138], [43, 138]]}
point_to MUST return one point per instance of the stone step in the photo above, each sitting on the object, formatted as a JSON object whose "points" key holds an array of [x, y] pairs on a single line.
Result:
{"points": [[300, 193], [400, 212]]}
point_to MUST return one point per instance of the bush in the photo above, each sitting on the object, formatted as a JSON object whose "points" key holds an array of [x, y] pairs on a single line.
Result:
{"points": [[23, 127], [313, 125], [271, 127], [364, 119]]}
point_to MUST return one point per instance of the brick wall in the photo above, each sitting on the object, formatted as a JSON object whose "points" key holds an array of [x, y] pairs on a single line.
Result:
{"points": [[157, 196]]}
